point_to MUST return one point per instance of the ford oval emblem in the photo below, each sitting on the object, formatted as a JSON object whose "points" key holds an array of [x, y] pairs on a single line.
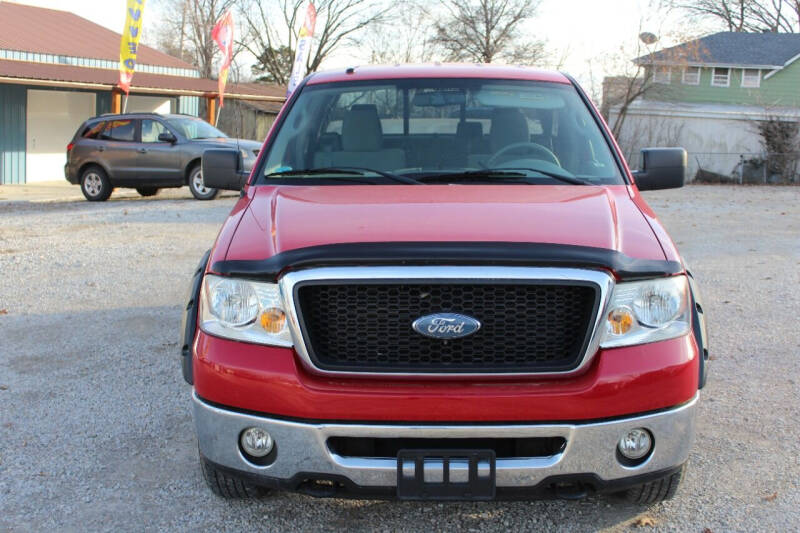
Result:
{"points": [[446, 325]]}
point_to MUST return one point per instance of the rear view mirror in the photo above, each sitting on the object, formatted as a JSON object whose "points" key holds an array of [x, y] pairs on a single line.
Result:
{"points": [[439, 98], [662, 168], [166, 137], [222, 169]]}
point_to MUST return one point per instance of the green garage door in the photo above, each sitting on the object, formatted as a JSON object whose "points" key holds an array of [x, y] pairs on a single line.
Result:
{"points": [[13, 99]]}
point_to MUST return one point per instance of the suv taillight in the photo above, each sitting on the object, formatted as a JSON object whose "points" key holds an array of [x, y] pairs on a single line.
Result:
{"points": [[69, 147]]}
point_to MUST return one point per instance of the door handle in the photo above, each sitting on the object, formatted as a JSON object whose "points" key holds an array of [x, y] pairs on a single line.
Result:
{"points": [[101, 149], [142, 150]]}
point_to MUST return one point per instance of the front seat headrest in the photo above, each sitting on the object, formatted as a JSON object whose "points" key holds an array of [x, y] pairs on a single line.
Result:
{"points": [[361, 129], [509, 126], [469, 130]]}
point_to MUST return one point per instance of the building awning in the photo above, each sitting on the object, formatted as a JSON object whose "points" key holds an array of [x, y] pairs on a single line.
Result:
{"points": [[68, 76]]}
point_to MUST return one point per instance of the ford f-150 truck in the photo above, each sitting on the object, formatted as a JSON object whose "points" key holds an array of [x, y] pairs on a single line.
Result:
{"points": [[442, 282]]}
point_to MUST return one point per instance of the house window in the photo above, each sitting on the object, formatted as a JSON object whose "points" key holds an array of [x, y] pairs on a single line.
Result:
{"points": [[721, 77], [691, 76], [662, 75], [751, 77]]}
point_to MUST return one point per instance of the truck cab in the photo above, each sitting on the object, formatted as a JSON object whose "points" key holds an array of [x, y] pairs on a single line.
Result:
{"points": [[443, 283]]}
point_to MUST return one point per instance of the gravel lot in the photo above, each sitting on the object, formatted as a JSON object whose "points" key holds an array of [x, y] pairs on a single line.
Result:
{"points": [[95, 427]]}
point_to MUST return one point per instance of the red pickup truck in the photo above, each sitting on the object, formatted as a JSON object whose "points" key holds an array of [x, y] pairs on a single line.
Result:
{"points": [[442, 282]]}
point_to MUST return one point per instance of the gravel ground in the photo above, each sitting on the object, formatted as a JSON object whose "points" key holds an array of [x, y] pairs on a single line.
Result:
{"points": [[95, 427]]}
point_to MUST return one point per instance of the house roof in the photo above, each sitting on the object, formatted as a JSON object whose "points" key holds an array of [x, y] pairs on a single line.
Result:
{"points": [[143, 82], [766, 50], [51, 31]]}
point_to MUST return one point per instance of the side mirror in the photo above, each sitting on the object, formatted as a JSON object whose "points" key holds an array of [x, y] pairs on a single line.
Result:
{"points": [[222, 169], [166, 137], [662, 168]]}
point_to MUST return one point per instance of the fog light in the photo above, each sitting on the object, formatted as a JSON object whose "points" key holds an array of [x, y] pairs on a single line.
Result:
{"points": [[256, 442], [635, 444]]}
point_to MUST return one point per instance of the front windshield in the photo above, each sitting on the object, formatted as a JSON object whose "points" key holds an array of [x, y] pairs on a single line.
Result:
{"points": [[194, 128], [432, 129]]}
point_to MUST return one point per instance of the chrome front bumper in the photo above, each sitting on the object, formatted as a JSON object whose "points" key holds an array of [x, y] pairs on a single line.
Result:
{"points": [[302, 448]]}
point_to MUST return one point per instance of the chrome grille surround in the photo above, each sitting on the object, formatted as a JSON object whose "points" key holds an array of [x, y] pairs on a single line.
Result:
{"points": [[432, 274]]}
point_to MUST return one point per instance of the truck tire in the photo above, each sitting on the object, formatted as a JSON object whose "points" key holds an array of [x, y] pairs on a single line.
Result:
{"points": [[654, 491], [227, 486], [95, 185], [147, 191], [196, 185]]}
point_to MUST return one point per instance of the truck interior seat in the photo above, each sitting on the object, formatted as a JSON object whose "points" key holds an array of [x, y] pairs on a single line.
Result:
{"points": [[362, 143], [508, 126]]}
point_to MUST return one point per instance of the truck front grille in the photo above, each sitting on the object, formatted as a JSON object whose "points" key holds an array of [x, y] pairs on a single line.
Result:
{"points": [[527, 327]]}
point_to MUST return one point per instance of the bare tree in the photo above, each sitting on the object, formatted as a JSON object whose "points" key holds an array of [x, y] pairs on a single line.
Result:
{"points": [[780, 140], [185, 30], [485, 31], [745, 15], [406, 38], [271, 28], [632, 81], [635, 79], [650, 131]]}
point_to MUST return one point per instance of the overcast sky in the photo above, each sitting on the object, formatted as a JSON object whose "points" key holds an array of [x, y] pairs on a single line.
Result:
{"points": [[583, 31]]}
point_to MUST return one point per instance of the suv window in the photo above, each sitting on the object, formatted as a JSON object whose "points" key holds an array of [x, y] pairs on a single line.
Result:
{"points": [[151, 129], [120, 130], [93, 131]]}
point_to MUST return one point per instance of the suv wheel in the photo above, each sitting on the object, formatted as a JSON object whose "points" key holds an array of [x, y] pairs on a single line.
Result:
{"points": [[198, 188], [95, 185], [147, 191]]}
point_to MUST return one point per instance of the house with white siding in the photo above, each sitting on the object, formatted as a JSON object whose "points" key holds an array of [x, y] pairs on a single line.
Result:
{"points": [[708, 95]]}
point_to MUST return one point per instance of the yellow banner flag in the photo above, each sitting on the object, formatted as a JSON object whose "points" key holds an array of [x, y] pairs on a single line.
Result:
{"points": [[129, 44]]}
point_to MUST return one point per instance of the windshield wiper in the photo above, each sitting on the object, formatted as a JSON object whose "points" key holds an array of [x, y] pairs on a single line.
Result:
{"points": [[353, 171], [515, 174], [572, 180]]}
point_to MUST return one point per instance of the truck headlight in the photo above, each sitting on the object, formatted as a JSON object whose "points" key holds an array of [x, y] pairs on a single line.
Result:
{"points": [[647, 311], [244, 310]]}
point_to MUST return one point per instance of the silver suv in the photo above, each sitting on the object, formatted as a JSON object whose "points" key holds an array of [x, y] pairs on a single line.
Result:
{"points": [[148, 152]]}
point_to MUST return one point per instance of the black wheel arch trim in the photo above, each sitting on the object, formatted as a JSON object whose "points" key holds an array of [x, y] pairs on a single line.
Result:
{"points": [[84, 167], [189, 323], [699, 329], [187, 170], [450, 253]]}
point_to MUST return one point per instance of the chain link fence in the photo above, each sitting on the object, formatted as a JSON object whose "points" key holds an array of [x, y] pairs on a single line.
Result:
{"points": [[751, 167]]}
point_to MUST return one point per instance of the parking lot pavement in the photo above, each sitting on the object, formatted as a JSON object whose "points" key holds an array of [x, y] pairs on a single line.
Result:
{"points": [[95, 427]]}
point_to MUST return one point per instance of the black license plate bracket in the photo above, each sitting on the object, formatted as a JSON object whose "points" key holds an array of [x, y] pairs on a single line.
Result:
{"points": [[446, 475]]}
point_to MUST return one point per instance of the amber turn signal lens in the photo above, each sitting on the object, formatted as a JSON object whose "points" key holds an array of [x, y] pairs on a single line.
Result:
{"points": [[273, 320], [620, 320]]}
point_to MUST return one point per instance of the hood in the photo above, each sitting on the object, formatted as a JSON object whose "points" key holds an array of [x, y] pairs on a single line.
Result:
{"points": [[290, 217], [228, 142]]}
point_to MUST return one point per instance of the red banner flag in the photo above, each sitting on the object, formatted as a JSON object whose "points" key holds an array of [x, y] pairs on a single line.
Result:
{"points": [[223, 35]]}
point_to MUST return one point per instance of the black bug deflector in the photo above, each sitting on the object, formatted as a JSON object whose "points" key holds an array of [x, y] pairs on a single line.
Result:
{"points": [[450, 253]]}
